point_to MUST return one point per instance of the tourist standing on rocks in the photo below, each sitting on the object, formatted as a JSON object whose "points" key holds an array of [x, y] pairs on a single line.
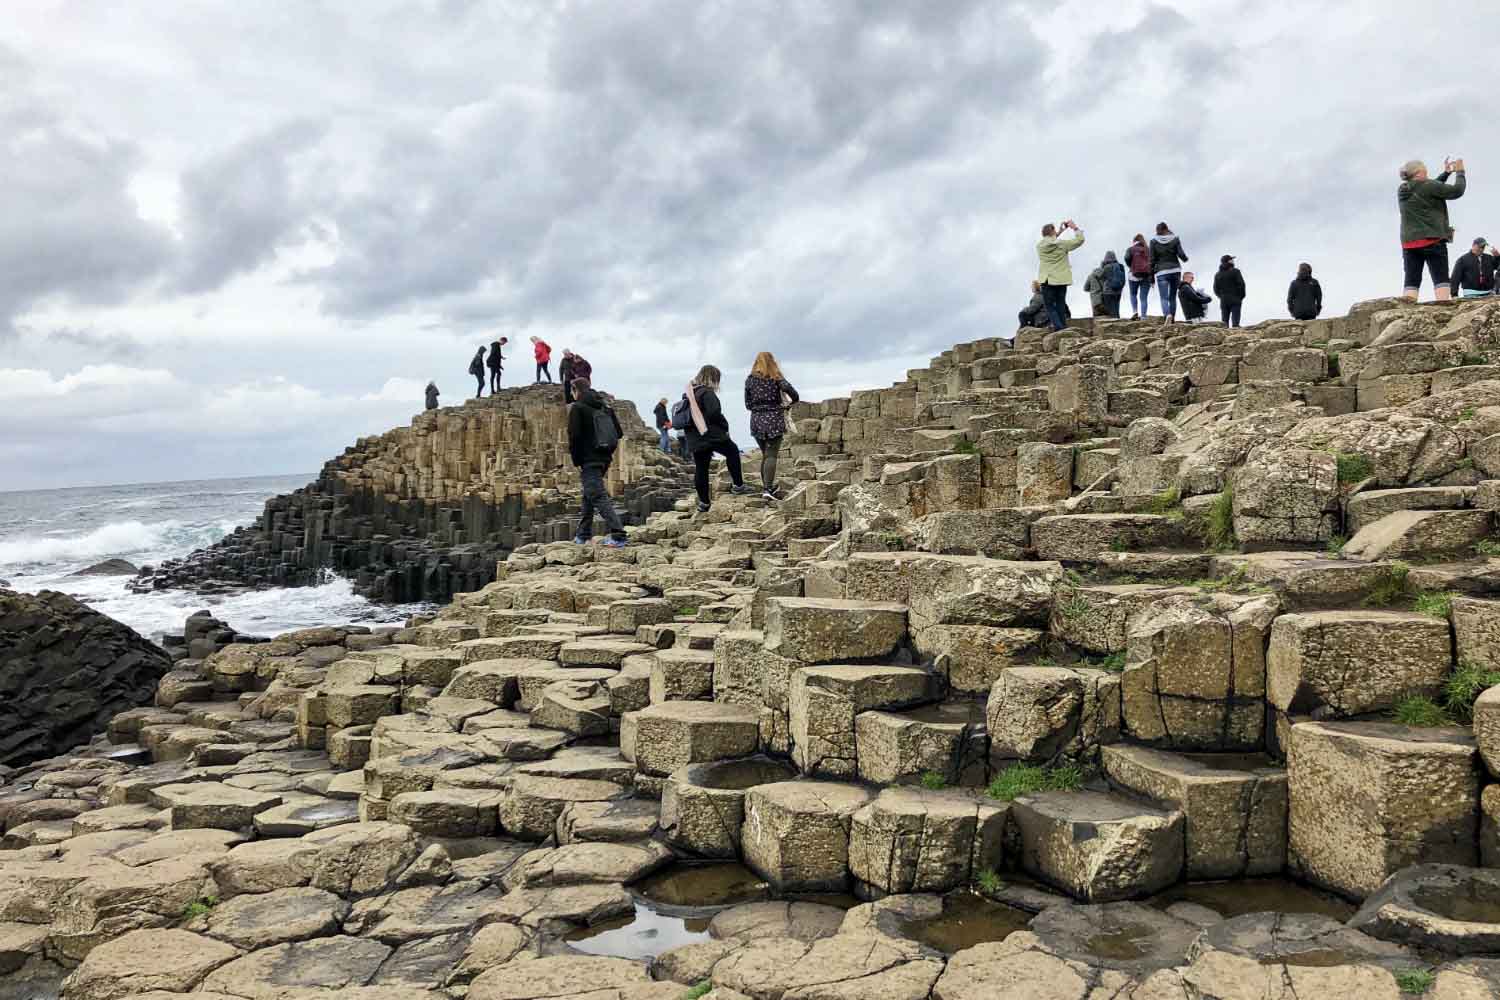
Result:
{"points": [[1112, 278], [1425, 231], [593, 435], [1094, 286], [1138, 260], [767, 395], [1193, 301], [1474, 274], [432, 395], [664, 425], [1304, 297], [565, 375], [1167, 258], [496, 364], [1229, 286], [1035, 313], [1056, 274], [543, 354], [708, 434], [476, 368]]}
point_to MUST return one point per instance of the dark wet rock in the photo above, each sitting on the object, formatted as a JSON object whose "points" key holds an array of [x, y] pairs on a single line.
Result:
{"points": [[1129, 937], [109, 567], [1448, 908]]}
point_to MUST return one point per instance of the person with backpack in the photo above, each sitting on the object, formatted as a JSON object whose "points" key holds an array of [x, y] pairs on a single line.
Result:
{"points": [[1138, 261], [432, 395], [1474, 274], [1112, 284], [1229, 286], [593, 435], [476, 368], [1425, 230], [1304, 297], [496, 364], [1167, 259], [767, 395], [1193, 301], [543, 354], [700, 414], [664, 425], [1056, 274]]}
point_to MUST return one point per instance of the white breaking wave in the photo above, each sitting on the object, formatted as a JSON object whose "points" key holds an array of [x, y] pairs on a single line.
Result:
{"points": [[118, 539]]}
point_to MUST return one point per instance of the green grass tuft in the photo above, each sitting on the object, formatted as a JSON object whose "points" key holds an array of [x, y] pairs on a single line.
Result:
{"points": [[893, 540], [1421, 712], [1024, 779], [1353, 467], [966, 447], [1165, 502], [1220, 528], [1436, 603], [1474, 359], [1467, 413], [704, 986], [199, 907], [934, 782], [1117, 545], [1074, 607], [1333, 365], [1336, 544], [1487, 547], [1465, 685], [1114, 662], [990, 881], [1393, 584], [1415, 981]]}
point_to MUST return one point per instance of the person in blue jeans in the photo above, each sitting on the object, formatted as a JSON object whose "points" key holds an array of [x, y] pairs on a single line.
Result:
{"points": [[1167, 259], [1138, 263], [664, 426], [589, 417]]}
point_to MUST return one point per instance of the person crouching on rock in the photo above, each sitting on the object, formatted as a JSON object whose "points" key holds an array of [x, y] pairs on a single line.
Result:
{"points": [[593, 435], [476, 368], [708, 434], [767, 395], [496, 364], [432, 395]]}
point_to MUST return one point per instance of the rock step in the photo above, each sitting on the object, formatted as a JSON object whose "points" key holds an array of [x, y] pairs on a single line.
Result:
{"points": [[1077, 537], [661, 738], [1099, 846]]}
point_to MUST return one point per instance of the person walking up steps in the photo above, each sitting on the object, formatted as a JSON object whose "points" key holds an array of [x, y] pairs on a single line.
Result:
{"points": [[1425, 230], [708, 434], [496, 364], [593, 435], [767, 395], [543, 354], [1229, 286], [663, 425], [1167, 259], [1138, 262], [1055, 273], [476, 368], [1304, 296]]}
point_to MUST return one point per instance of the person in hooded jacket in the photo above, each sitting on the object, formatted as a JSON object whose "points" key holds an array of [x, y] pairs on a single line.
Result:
{"points": [[542, 352], [1167, 258], [1112, 278], [1035, 313], [1304, 297], [432, 395], [708, 434], [1229, 286], [663, 425], [1425, 231], [476, 368], [1474, 274], [1138, 262], [1094, 286], [496, 364], [1056, 274], [592, 457]]}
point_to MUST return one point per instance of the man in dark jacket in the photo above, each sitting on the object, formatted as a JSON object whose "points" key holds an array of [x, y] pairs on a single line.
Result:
{"points": [[1425, 230], [1193, 300], [1474, 274], [565, 375], [1304, 299], [589, 417], [1229, 286], [432, 395], [1112, 278]]}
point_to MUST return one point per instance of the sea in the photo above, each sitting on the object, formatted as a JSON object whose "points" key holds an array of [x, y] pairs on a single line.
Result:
{"points": [[47, 536]]}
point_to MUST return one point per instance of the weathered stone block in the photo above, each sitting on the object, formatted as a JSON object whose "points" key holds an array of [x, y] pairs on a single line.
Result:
{"points": [[1336, 664], [825, 700], [1043, 713], [815, 630], [796, 833]]}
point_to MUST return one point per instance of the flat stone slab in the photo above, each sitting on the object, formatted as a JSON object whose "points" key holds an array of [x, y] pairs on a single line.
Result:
{"points": [[818, 630], [261, 920], [911, 840], [146, 960], [703, 805], [531, 807], [332, 963], [662, 738], [210, 805], [1448, 908]]}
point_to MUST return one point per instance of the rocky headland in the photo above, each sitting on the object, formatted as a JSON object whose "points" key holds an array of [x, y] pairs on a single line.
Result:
{"points": [[1129, 662]]}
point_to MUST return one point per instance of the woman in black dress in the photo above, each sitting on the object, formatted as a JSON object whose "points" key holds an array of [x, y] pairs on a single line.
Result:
{"points": [[767, 396]]}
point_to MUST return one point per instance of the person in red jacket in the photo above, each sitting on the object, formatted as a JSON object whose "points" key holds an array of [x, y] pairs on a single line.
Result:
{"points": [[543, 354]]}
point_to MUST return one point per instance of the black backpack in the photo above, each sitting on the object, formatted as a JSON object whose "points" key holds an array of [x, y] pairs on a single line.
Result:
{"points": [[605, 435], [682, 414]]}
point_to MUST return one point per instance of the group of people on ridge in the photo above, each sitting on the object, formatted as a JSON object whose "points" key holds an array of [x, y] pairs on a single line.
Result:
{"points": [[1155, 263]]}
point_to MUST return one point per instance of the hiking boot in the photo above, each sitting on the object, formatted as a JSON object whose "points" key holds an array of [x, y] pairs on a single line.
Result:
{"points": [[614, 543], [702, 507], [739, 490], [770, 495]]}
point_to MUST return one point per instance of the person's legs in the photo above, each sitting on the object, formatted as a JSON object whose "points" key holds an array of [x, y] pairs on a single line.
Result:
{"points": [[1437, 266], [586, 477], [1166, 291], [701, 460], [769, 452], [1053, 297], [1237, 307], [479, 391], [666, 440], [1412, 262], [731, 453], [597, 498], [1112, 306], [494, 381], [1139, 298]]}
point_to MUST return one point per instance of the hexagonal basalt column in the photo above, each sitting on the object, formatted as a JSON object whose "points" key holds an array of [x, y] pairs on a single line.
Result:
{"points": [[796, 833]]}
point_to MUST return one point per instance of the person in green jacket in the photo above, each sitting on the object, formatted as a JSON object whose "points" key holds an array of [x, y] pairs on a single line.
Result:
{"points": [[1055, 273], [1425, 231]]}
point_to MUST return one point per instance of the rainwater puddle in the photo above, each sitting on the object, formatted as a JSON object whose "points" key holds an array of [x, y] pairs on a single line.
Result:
{"points": [[708, 887], [1256, 895], [1125, 943], [967, 920], [642, 935]]}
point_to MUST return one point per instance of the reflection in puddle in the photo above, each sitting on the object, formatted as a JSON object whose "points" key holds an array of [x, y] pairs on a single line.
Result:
{"points": [[699, 886], [1125, 943], [643, 935], [1256, 895], [967, 920]]}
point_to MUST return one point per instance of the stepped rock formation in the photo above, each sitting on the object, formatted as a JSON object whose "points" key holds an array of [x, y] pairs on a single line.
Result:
{"points": [[423, 512], [65, 670], [1043, 632]]}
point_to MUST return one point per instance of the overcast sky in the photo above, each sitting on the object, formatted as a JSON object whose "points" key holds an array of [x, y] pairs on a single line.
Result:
{"points": [[237, 236]]}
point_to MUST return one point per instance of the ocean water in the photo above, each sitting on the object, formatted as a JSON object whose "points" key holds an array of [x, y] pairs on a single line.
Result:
{"points": [[47, 535]]}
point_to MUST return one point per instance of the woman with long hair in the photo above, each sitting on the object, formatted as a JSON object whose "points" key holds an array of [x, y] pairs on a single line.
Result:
{"points": [[767, 396], [708, 434]]}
